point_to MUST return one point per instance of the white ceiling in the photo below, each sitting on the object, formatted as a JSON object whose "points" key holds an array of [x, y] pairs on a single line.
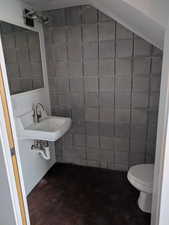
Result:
{"points": [[54, 4]]}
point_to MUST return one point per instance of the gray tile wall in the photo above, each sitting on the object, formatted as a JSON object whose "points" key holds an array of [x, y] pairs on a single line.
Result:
{"points": [[107, 80], [23, 59]]}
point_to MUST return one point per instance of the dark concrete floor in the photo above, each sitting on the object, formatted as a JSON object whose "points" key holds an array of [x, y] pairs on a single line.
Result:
{"points": [[74, 195]]}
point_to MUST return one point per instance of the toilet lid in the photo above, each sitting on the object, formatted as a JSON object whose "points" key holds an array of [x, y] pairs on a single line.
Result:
{"points": [[143, 175]]}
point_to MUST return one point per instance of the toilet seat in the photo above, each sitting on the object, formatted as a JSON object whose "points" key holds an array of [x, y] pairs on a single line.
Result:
{"points": [[141, 177]]}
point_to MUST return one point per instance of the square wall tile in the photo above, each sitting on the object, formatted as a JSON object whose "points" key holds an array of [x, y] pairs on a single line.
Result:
{"points": [[124, 48], [106, 49], [142, 65], [107, 99], [139, 116], [76, 99], [122, 130], [26, 84], [123, 66], [93, 141], [106, 129], [123, 83], [106, 143], [90, 32], [106, 155], [36, 69], [121, 157], [8, 39], [91, 67], [74, 34], [122, 100], [91, 50], [61, 99], [106, 67], [13, 70], [107, 31], [78, 128], [93, 154], [21, 40], [139, 100], [67, 140], [92, 128], [141, 84], [22, 55], [122, 116], [91, 114], [121, 144], [138, 132], [75, 68], [75, 51], [138, 146], [59, 35], [61, 85], [61, 68], [59, 52], [76, 84], [107, 114], [78, 114], [91, 84], [91, 100], [106, 84]]}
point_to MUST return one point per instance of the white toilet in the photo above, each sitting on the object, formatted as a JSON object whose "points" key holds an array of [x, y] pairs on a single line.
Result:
{"points": [[141, 177]]}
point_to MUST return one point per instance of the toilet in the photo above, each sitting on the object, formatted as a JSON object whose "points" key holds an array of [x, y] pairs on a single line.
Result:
{"points": [[141, 177]]}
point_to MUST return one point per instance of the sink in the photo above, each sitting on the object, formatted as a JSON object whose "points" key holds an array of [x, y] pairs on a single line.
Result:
{"points": [[50, 128]]}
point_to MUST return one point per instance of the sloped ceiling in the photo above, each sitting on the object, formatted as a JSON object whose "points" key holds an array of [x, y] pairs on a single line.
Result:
{"points": [[55, 4], [147, 18]]}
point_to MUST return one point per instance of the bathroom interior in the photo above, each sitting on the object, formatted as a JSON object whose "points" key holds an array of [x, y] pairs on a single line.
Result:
{"points": [[85, 100]]}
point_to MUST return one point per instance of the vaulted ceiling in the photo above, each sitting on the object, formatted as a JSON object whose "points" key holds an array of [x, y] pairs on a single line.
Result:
{"points": [[147, 18]]}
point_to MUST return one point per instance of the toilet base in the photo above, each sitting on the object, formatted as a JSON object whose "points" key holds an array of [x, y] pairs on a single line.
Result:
{"points": [[145, 202]]}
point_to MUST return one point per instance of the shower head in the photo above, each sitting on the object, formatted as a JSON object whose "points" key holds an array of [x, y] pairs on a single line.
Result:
{"points": [[34, 15]]}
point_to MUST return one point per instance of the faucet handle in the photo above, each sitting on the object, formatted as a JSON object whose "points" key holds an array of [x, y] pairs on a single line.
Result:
{"points": [[33, 107]]}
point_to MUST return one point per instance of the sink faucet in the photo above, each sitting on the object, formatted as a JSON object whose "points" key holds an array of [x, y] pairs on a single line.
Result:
{"points": [[37, 112]]}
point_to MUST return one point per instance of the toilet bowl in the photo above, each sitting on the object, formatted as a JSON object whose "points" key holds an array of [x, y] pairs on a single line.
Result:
{"points": [[141, 177]]}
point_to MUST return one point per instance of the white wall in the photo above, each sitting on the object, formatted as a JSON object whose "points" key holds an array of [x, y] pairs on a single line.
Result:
{"points": [[6, 210], [153, 8], [160, 204], [32, 166]]}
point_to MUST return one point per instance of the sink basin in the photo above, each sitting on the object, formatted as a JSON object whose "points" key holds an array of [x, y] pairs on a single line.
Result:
{"points": [[51, 128]]}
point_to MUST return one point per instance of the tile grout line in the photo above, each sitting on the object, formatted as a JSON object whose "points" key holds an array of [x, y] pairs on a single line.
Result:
{"points": [[98, 82], [83, 77], [114, 77], [131, 101], [148, 106], [67, 26]]}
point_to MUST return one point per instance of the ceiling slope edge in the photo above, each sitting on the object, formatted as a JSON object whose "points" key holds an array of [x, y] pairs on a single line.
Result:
{"points": [[133, 19]]}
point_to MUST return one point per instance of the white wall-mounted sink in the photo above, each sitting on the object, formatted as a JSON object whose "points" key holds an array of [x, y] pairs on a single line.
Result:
{"points": [[50, 128]]}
